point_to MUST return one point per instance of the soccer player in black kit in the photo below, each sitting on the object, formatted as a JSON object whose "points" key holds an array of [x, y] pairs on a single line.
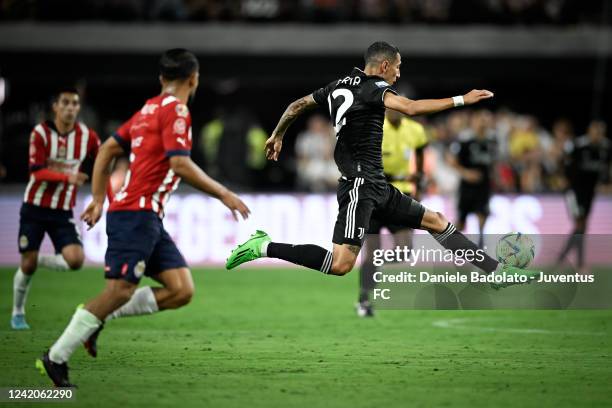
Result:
{"points": [[472, 156], [356, 103], [587, 162]]}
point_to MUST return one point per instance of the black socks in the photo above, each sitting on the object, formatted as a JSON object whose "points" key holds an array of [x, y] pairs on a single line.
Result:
{"points": [[452, 239], [308, 255]]}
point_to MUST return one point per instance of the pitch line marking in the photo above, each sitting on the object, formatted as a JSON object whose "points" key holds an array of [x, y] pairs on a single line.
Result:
{"points": [[460, 324]]}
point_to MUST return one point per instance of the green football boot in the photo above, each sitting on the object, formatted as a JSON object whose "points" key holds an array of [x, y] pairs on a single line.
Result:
{"points": [[513, 270], [248, 251]]}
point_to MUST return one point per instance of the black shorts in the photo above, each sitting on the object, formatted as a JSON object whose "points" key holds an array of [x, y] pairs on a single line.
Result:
{"points": [[376, 225], [138, 245], [35, 221], [473, 202], [579, 201], [362, 202]]}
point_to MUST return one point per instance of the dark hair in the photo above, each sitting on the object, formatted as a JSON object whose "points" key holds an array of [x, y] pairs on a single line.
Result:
{"points": [[63, 89], [380, 51], [177, 63]]}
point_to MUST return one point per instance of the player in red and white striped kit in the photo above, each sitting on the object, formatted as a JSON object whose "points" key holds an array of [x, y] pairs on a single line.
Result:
{"points": [[57, 151]]}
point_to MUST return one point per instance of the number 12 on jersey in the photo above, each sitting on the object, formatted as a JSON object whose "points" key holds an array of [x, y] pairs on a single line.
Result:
{"points": [[337, 109]]}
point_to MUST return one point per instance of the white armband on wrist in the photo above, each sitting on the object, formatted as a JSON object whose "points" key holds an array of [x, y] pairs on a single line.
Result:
{"points": [[458, 101]]}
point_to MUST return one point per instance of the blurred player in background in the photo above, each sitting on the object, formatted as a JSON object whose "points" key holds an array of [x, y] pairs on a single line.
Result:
{"points": [[357, 103], [158, 139], [58, 148], [403, 139], [473, 157], [587, 162]]}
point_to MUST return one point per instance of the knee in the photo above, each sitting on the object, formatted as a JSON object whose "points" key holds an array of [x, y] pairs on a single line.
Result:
{"points": [[181, 293], [183, 296], [75, 263], [340, 268], [74, 259], [29, 265]]}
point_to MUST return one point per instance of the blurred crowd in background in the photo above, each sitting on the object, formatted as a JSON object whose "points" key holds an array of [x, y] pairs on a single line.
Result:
{"points": [[230, 147], [230, 136], [530, 157], [557, 12]]}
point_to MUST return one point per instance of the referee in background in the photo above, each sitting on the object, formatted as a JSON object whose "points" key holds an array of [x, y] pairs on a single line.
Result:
{"points": [[403, 139]]}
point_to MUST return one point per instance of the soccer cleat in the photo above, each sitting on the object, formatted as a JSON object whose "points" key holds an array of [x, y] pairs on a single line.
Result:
{"points": [[248, 251], [58, 373], [513, 270], [364, 309], [91, 344], [18, 322]]}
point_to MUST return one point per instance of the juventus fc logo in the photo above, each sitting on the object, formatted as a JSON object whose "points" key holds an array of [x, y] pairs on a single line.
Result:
{"points": [[361, 232]]}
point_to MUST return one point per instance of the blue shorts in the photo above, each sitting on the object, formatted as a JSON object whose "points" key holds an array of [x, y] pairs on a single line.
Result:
{"points": [[138, 245], [35, 221]]}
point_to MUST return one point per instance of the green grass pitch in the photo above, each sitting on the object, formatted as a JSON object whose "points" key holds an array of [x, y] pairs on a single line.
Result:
{"points": [[290, 338]]}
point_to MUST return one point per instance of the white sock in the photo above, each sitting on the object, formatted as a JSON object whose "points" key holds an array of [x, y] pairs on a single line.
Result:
{"points": [[55, 262], [21, 286], [81, 326], [264, 248], [142, 302]]}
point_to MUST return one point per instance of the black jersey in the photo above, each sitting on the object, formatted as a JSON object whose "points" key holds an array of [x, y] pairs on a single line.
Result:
{"points": [[357, 111], [476, 154], [587, 163]]}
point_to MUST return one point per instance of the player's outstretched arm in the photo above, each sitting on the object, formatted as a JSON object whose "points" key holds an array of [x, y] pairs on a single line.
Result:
{"points": [[101, 173], [424, 106], [185, 168], [274, 143]]}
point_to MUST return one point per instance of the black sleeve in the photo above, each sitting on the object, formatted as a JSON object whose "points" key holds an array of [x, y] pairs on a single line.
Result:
{"points": [[374, 92], [321, 94]]}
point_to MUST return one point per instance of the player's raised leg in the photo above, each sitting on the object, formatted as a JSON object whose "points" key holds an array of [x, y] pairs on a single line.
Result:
{"points": [[449, 237], [353, 220], [259, 245]]}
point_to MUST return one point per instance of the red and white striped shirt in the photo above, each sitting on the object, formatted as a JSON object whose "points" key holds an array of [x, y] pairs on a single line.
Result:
{"points": [[159, 130], [53, 157]]}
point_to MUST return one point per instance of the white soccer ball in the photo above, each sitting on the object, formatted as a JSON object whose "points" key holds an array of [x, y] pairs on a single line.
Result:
{"points": [[515, 249]]}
